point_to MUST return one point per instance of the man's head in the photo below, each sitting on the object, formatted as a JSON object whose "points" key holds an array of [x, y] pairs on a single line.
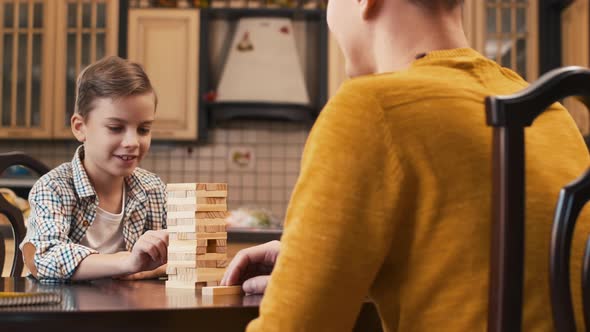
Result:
{"points": [[362, 27]]}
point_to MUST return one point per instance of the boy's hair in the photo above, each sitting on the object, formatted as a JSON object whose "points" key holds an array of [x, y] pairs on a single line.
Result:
{"points": [[110, 77]]}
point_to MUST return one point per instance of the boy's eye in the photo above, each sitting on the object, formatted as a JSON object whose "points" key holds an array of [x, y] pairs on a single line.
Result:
{"points": [[144, 130], [115, 129]]}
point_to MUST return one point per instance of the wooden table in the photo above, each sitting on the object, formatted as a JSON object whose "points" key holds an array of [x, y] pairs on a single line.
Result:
{"points": [[113, 305]]}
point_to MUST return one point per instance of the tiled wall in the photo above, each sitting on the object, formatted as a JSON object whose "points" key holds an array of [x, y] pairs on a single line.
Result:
{"points": [[277, 148]]}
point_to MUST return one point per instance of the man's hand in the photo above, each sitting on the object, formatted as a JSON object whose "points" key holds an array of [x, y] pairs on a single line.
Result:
{"points": [[252, 267]]}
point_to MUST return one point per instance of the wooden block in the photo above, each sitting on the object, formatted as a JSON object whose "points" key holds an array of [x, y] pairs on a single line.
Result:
{"points": [[221, 243], [181, 256], [207, 263], [181, 186], [211, 207], [182, 201], [176, 194], [181, 215], [210, 200], [182, 236], [221, 249], [212, 214], [181, 264], [212, 236], [170, 269], [210, 193], [221, 290], [221, 263], [213, 283]]}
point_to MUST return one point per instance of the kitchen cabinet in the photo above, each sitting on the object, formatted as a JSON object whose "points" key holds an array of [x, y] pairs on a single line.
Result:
{"points": [[166, 42], [506, 32], [45, 44], [575, 28]]}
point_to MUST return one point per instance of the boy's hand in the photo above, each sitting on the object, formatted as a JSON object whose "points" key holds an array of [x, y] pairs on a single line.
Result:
{"points": [[153, 274], [252, 267], [149, 252]]}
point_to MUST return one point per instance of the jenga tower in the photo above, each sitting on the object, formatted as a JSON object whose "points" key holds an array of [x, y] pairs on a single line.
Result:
{"points": [[197, 251]]}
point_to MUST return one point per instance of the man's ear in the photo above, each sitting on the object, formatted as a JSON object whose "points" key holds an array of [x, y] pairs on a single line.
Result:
{"points": [[78, 127], [368, 8]]}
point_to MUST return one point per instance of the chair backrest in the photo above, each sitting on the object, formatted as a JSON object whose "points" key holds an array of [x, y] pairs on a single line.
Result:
{"points": [[509, 115], [14, 215]]}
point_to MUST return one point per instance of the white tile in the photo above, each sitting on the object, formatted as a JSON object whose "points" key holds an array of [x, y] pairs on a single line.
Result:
{"points": [[277, 166], [292, 166], [263, 136], [205, 165], [277, 181], [263, 166], [219, 165], [291, 180], [294, 151], [234, 136], [248, 194], [220, 151], [203, 177], [190, 177], [234, 180], [206, 151], [263, 151], [162, 164], [263, 195], [191, 164], [262, 180], [248, 180], [249, 135], [177, 165], [278, 151], [176, 177], [218, 136], [277, 195]]}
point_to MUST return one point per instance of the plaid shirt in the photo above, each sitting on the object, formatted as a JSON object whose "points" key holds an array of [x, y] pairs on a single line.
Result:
{"points": [[63, 207]]}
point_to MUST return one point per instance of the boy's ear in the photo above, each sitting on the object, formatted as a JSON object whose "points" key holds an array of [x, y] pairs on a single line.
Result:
{"points": [[78, 127], [368, 8]]}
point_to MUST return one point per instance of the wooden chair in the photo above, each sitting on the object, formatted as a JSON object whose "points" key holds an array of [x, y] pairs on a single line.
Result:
{"points": [[13, 214], [508, 115]]}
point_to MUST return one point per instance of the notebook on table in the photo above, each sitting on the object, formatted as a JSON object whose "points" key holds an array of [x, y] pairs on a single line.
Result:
{"points": [[28, 298]]}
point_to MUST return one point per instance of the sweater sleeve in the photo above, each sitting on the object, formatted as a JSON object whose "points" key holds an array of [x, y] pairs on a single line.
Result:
{"points": [[338, 226], [56, 256]]}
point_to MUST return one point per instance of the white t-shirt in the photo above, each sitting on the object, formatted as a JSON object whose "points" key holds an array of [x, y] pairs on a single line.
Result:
{"points": [[105, 235]]}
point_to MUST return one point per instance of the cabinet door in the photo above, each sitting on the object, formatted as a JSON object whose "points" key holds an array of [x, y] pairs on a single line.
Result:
{"points": [[86, 31], [575, 23], [26, 43], [336, 66], [165, 42], [506, 32]]}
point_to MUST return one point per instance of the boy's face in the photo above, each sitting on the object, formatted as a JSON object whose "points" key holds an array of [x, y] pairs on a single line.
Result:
{"points": [[116, 135], [352, 31]]}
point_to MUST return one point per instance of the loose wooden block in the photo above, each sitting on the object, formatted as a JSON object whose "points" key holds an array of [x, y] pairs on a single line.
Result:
{"points": [[221, 243], [221, 290]]}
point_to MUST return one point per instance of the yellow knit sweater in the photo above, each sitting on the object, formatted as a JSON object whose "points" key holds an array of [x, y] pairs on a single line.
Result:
{"points": [[393, 201]]}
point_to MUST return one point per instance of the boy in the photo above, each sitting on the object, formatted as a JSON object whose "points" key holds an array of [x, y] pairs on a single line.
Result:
{"points": [[393, 198], [101, 215]]}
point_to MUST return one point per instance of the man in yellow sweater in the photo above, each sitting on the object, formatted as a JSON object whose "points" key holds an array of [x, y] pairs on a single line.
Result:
{"points": [[393, 198]]}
